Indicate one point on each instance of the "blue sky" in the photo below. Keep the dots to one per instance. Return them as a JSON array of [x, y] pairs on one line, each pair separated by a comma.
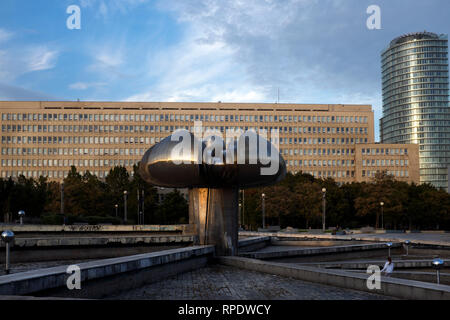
[[314, 51]]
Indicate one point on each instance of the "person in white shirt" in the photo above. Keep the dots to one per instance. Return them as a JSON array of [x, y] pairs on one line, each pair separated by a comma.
[[388, 267]]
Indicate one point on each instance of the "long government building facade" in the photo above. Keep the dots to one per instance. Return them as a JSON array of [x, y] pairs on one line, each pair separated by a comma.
[[41, 138]]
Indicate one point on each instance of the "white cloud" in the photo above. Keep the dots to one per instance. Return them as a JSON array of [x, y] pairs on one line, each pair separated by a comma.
[[299, 46], [40, 58], [5, 35], [109, 58], [197, 71], [106, 8], [86, 85], [16, 62]]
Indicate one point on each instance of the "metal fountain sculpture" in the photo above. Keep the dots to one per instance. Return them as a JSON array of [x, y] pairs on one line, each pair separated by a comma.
[[214, 170]]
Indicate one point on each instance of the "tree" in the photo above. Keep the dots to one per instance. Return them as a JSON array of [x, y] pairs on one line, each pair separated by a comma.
[[174, 209]]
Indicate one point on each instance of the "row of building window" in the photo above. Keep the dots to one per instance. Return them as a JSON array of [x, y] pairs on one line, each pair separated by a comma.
[[68, 162], [72, 151], [415, 87], [418, 45], [385, 163], [169, 129], [422, 115], [404, 75], [416, 62], [414, 93], [321, 163], [384, 151], [317, 152], [389, 86], [414, 56], [152, 140], [178, 117], [410, 62], [442, 99]]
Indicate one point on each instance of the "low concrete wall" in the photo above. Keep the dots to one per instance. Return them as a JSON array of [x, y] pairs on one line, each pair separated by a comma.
[[308, 243], [352, 237], [253, 243], [399, 288], [100, 241], [35, 281], [418, 276], [43, 254], [399, 264], [29, 228], [316, 251]]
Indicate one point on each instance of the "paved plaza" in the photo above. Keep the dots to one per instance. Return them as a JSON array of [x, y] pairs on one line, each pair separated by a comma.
[[229, 283]]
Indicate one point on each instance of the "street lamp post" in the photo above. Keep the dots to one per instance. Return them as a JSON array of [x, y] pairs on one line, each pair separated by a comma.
[[407, 243], [240, 215], [142, 206], [21, 215], [382, 214], [438, 264], [324, 204], [117, 210], [62, 199], [138, 207], [263, 210], [7, 237], [243, 207], [389, 245], [125, 206]]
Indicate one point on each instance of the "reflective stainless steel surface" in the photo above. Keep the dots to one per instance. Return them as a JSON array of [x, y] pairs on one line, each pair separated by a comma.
[[213, 170]]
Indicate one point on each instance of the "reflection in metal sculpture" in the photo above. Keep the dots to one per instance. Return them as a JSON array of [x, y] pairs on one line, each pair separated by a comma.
[[214, 171], [159, 165]]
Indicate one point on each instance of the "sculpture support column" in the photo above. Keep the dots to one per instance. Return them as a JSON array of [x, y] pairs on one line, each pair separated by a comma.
[[214, 212]]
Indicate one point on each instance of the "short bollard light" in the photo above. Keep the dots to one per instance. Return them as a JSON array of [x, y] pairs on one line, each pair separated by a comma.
[[21, 215], [7, 237], [438, 264], [389, 245], [407, 243]]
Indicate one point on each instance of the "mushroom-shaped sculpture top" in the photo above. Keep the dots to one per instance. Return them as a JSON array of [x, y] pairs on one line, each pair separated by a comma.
[[7, 236], [184, 161], [21, 213]]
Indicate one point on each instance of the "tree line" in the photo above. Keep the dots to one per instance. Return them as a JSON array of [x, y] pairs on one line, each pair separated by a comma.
[[297, 202], [89, 199], [294, 202]]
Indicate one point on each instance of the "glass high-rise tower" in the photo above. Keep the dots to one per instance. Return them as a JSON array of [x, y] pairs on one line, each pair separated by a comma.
[[416, 106]]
